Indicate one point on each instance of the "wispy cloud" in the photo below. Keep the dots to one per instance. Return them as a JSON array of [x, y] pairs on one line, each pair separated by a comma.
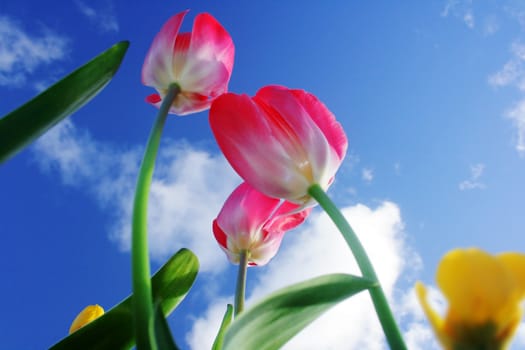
[[317, 248], [449, 7], [22, 53], [517, 115], [476, 171], [460, 9], [516, 11], [520, 336], [513, 74], [367, 174], [513, 71], [187, 192], [468, 18], [104, 18]]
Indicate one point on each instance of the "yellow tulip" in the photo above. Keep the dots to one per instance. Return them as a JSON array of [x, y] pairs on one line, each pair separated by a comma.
[[484, 293], [87, 315]]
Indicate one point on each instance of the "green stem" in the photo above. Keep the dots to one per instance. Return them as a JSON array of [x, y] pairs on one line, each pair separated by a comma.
[[386, 318], [142, 298], [241, 283]]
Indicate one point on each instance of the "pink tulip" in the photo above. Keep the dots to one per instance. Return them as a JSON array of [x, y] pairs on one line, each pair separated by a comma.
[[200, 63], [253, 222], [280, 141]]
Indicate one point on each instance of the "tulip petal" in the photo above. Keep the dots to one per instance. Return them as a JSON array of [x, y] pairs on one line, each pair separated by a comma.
[[325, 120], [203, 59], [266, 249], [157, 68], [247, 140], [302, 137], [253, 222], [245, 211], [275, 145], [219, 234], [189, 102], [154, 99], [286, 217], [210, 39], [205, 76]]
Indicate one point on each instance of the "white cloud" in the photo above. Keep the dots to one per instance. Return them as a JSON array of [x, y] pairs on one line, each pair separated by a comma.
[[507, 75], [316, 249], [473, 182], [449, 6], [468, 18], [512, 72], [367, 175], [519, 340], [517, 115], [187, 192], [104, 19], [209, 325], [21, 53], [418, 334]]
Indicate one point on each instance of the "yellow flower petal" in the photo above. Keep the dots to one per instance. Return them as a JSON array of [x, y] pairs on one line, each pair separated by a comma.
[[484, 294], [87, 315], [515, 263], [435, 320], [476, 285]]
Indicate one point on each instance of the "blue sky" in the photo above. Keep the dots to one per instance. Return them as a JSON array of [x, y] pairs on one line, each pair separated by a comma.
[[431, 95]]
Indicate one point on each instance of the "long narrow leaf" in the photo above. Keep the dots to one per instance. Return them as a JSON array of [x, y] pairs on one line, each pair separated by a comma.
[[226, 320], [114, 330], [272, 322], [163, 337], [26, 123]]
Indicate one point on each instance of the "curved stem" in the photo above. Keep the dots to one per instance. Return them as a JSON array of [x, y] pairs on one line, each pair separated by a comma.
[[241, 283], [386, 318], [142, 298]]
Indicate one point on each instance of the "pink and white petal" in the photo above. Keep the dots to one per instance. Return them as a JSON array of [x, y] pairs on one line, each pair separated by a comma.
[[205, 77], [247, 141], [325, 120], [222, 239], [288, 117], [180, 55], [154, 99], [187, 103], [266, 250], [301, 138], [210, 39], [244, 214], [219, 234], [315, 151], [159, 58], [286, 217]]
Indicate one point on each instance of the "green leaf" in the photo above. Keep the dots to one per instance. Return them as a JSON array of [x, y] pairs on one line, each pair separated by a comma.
[[114, 330], [26, 123], [276, 319], [163, 336], [226, 320]]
